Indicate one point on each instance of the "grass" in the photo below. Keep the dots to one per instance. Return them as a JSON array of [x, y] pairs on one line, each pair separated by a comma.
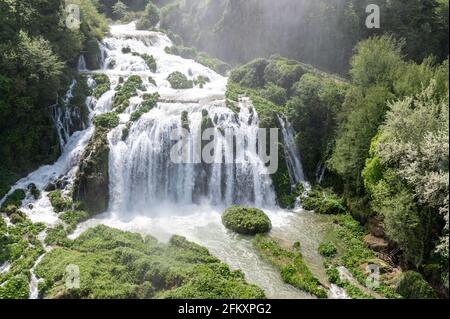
[[293, 269]]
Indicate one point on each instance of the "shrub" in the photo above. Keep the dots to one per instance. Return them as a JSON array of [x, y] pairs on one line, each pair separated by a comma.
[[179, 81], [108, 120], [14, 199], [149, 19], [59, 202], [413, 286], [275, 94], [327, 249], [323, 202], [247, 221]]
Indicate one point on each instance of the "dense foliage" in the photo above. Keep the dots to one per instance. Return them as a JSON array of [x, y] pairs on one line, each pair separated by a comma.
[[117, 264], [36, 51]]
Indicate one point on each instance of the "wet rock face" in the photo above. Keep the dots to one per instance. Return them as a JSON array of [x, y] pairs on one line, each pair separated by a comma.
[[91, 186]]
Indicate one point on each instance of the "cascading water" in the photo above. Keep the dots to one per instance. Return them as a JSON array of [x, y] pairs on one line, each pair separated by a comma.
[[152, 195], [292, 154]]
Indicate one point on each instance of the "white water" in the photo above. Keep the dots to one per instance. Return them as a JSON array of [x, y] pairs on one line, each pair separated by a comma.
[[151, 195], [292, 154]]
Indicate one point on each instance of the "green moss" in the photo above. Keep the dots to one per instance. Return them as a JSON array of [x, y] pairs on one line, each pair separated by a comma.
[[103, 84], [107, 120], [247, 221], [117, 264], [327, 249], [179, 81], [150, 101], [125, 91], [413, 286], [59, 202], [293, 269]]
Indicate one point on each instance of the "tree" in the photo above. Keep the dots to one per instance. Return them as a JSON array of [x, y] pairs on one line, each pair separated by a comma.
[[149, 19], [119, 10], [407, 173]]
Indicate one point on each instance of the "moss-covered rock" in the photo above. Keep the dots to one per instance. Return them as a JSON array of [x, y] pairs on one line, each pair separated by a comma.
[[91, 187], [117, 264], [103, 84], [150, 101], [293, 269], [125, 91], [34, 191], [413, 286], [179, 81], [247, 221]]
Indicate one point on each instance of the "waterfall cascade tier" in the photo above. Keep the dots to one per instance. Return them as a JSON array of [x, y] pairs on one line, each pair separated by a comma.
[[142, 174]]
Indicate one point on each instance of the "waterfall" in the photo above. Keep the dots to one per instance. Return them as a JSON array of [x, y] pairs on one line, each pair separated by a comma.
[[82, 63], [291, 153], [142, 174]]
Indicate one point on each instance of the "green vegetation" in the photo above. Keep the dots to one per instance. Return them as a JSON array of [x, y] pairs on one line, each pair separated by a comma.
[[149, 19], [103, 84], [327, 249], [150, 101], [21, 248], [179, 81], [37, 51], [117, 264], [148, 59], [14, 199], [323, 202], [107, 120], [293, 269], [413, 286], [59, 202], [247, 221], [126, 91]]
